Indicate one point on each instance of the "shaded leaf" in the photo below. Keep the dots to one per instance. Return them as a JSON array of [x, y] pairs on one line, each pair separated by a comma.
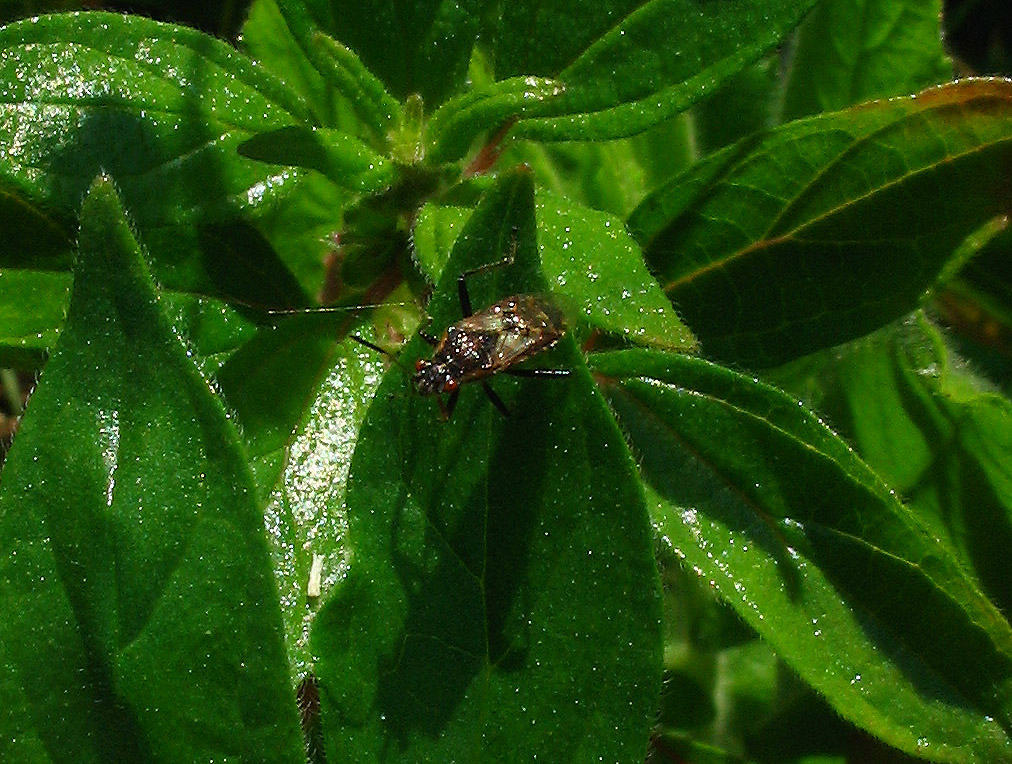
[[850, 51], [744, 104], [827, 228], [342, 158], [500, 595], [937, 434], [136, 545], [611, 176], [413, 48], [162, 108], [817, 555], [627, 66]]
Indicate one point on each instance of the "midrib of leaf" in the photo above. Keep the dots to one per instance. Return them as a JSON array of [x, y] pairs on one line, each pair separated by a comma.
[[796, 233]]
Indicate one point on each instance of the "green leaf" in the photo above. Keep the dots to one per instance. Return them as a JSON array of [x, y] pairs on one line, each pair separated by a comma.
[[628, 66], [267, 38], [850, 51], [299, 399], [340, 68], [456, 123], [612, 176], [828, 228], [301, 350], [817, 555], [501, 592], [937, 434], [32, 307], [306, 515], [419, 48], [141, 618], [593, 267], [744, 104], [592, 260], [362, 89], [342, 158], [162, 108], [434, 234]]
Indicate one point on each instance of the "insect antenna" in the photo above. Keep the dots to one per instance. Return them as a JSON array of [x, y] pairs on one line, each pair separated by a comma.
[[332, 309]]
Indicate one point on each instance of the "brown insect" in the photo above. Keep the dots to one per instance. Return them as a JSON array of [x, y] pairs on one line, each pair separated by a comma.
[[488, 342]]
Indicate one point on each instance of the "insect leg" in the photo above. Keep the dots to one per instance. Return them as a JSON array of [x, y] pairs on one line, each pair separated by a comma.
[[370, 345], [462, 293], [450, 405], [496, 400], [537, 372]]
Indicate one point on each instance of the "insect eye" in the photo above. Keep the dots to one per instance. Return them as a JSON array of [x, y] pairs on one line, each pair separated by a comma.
[[450, 385], [420, 364]]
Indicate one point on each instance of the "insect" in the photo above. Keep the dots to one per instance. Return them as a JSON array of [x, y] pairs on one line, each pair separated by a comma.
[[488, 342]]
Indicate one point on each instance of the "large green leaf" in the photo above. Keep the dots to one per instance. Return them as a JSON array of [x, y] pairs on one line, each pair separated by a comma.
[[501, 594], [812, 550], [937, 434], [829, 227], [160, 107], [141, 619]]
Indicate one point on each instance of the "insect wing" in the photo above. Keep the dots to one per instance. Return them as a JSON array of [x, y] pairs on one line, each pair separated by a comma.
[[523, 326]]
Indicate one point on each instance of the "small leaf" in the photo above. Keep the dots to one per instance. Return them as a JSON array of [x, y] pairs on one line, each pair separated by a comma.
[[434, 234], [590, 258], [137, 589], [500, 597], [827, 228], [456, 123], [342, 158], [801, 538], [267, 39], [342, 69], [362, 89]]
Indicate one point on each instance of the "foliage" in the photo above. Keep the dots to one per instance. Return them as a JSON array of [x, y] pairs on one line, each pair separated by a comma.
[[200, 450]]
